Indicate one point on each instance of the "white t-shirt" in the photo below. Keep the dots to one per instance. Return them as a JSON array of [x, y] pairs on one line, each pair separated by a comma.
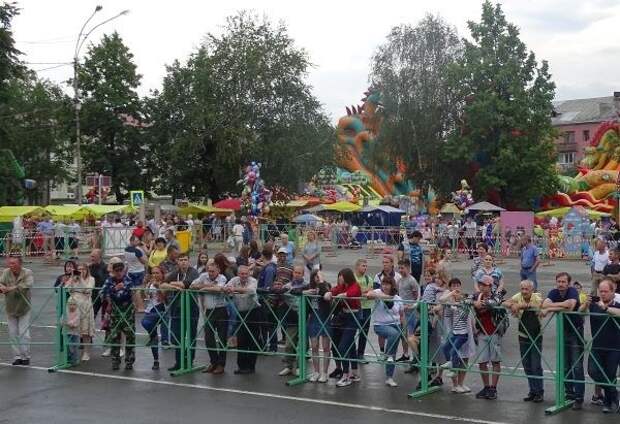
[[470, 229], [132, 257], [238, 230], [381, 315], [600, 260]]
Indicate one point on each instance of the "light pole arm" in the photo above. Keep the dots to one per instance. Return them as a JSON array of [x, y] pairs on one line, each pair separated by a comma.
[[77, 43], [85, 37]]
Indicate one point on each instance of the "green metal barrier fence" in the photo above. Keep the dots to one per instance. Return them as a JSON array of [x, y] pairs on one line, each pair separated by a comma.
[[272, 312]]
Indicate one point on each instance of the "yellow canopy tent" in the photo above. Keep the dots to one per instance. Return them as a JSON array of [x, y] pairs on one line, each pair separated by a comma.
[[343, 207], [8, 213], [450, 209], [100, 210], [67, 211], [204, 209]]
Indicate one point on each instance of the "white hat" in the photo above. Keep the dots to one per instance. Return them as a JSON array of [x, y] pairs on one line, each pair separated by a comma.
[[283, 250]]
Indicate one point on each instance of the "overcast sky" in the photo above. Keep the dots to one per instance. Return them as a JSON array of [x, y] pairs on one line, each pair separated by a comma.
[[579, 38]]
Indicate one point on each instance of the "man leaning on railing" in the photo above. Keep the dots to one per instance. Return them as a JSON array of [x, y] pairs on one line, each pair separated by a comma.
[[565, 298], [605, 353]]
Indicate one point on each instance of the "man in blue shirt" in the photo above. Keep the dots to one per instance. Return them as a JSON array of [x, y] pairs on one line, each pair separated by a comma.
[[117, 291], [565, 298], [529, 261]]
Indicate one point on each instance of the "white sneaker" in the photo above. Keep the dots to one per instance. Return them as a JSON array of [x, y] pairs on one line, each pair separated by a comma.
[[85, 357], [455, 389], [343, 382], [389, 359], [460, 390], [355, 378], [467, 389], [107, 352], [314, 377], [390, 382], [446, 365], [285, 371], [323, 378], [122, 353]]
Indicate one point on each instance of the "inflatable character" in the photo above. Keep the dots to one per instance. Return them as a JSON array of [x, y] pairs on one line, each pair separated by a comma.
[[356, 132], [596, 184]]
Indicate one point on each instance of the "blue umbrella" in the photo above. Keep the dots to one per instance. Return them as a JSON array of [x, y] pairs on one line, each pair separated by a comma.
[[307, 218]]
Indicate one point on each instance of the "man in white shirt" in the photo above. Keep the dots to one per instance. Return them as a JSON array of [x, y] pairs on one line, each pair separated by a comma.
[[600, 260], [237, 233], [212, 283], [471, 229]]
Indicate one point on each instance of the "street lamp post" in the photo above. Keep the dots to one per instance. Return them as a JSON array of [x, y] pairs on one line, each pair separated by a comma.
[[82, 37]]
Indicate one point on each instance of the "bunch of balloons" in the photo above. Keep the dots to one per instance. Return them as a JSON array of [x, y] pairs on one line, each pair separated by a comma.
[[463, 198], [256, 198]]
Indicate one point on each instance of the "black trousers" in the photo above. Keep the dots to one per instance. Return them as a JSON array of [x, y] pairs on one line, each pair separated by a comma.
[[216, 332], [247, 338]]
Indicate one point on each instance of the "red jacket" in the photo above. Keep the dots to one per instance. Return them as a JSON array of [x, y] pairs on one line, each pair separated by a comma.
[[354, 290]]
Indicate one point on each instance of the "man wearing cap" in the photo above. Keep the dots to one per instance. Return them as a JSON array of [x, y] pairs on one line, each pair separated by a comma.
[[288, 248], [117, 291], [284, 272]]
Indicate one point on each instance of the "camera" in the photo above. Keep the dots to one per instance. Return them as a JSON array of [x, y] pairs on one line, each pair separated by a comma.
[[596, 299]]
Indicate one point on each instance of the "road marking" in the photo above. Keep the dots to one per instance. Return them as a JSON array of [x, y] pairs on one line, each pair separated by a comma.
[[267, 395]]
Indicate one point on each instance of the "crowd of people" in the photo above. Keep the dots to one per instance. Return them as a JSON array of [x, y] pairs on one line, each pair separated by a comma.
[[248, 303]]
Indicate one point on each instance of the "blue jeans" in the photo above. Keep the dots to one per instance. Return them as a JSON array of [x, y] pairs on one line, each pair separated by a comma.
[[531, 358], [451, 348], [573, 364], [392, 336], [164, 327], [149, 322], [346, 347], [529, 274], [73, 353], [364, 315]]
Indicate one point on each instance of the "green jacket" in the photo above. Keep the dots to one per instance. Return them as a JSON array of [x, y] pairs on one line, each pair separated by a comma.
[[17, 301]]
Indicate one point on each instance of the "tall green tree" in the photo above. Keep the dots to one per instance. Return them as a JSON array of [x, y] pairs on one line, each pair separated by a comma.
[[411, 71], [506, 127], [38, 130], [112, 120], [10, 64], [242, 96]]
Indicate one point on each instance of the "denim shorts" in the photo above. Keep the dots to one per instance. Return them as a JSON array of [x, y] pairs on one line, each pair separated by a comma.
[[411, 320], [317, 328]]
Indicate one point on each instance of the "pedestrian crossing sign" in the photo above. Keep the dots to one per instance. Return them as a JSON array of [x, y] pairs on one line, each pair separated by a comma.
[[137, 198]]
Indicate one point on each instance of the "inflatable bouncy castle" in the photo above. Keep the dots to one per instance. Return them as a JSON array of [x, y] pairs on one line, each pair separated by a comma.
[[596, 183]]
